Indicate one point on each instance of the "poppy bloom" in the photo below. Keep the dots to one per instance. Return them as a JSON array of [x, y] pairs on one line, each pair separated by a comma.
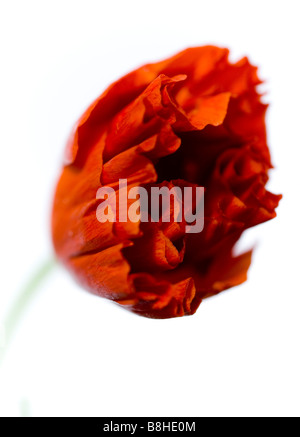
[[193, 120]]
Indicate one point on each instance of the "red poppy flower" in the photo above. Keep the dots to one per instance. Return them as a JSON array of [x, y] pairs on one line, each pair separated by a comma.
[[194, 119]]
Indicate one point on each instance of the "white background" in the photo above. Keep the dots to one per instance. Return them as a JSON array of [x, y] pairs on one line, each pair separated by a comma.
[[75, 354]]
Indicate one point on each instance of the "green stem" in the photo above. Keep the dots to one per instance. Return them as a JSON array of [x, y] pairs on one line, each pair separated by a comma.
[[21, 303]]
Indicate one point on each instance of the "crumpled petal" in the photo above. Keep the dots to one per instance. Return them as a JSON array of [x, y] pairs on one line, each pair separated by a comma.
[[192, 120]]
